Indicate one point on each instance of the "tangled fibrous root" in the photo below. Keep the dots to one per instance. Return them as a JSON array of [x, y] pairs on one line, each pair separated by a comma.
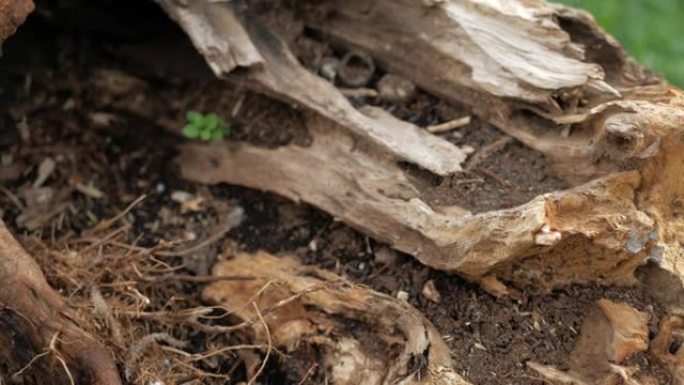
[[143, 304]]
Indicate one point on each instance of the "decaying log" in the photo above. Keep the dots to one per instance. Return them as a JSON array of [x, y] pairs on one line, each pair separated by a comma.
[[36, 321], [544, 74], [303, 306]]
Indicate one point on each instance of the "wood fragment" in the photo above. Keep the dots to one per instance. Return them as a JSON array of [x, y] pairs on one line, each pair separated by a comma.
[[449, 126], [500, 181], [359, 92]]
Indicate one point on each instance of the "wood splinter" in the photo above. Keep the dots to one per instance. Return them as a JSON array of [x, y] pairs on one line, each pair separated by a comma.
[[449, 126]]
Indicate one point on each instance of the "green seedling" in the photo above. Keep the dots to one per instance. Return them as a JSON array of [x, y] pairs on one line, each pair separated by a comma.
[[205, 127]]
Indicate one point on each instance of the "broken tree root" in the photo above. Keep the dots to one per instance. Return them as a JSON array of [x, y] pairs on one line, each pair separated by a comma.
[[37, 321], [295, 307]]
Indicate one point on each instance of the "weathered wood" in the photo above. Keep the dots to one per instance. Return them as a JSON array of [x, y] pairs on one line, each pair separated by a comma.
[[612, 130], [278, 73]]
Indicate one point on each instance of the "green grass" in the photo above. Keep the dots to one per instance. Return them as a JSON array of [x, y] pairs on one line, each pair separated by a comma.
[[650, 30]]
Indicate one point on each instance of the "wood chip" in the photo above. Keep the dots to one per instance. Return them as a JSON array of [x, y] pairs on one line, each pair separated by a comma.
[[430, 292], [90, 191], [359, 92], [449, 126], [46, 168]]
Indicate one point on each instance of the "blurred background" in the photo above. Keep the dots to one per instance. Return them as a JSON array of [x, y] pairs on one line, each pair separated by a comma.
[[651, 30]]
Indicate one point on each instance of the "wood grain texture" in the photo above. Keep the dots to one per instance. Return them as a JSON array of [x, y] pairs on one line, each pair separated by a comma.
[[544, 74]]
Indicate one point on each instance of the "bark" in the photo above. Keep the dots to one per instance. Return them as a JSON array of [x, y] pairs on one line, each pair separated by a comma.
[[611, 128], [37, 320]]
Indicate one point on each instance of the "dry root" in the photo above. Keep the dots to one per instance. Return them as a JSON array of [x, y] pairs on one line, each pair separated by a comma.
[[303, 310], [37, 321]]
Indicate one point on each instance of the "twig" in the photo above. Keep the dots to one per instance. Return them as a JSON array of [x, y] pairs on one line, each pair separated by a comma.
[[308, 374], [497, 179], [30, 363], [13, 198], [52, 348], [486, 151], [470, 181], [449, 126], [105, 239], [197, 278], [359, 92]]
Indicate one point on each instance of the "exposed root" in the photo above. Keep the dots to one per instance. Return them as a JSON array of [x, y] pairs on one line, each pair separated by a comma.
[[103, 311], [46, 316], [396, 344]]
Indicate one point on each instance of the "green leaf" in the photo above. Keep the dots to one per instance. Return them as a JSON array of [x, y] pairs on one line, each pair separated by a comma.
[[205, 134], [191, 131], [194, 116], [225, 128], [217, 135], [212, 121]]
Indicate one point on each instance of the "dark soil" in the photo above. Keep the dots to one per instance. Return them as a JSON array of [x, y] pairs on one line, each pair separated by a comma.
[[51, 87]]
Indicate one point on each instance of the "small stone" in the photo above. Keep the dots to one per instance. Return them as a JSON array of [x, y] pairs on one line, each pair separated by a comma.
[[430, 292], [313, 245], [395, 89], [402, 295]]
